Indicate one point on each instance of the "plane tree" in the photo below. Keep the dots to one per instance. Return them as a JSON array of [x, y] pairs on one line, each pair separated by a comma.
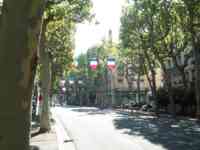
[[57, 44], [20, 28]]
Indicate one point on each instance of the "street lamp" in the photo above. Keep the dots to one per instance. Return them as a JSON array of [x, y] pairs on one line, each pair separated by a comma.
[[71, 91], [111, 63], [111, 66], [62, 91], [80, 91]]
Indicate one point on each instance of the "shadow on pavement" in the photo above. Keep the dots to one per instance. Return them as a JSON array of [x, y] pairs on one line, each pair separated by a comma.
[[171, 134], [92, 111], [38, 133], [32, 147], [35, 129]]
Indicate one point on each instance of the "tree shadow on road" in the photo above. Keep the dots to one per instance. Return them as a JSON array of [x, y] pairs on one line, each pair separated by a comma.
[[170, 133], [92, 111]]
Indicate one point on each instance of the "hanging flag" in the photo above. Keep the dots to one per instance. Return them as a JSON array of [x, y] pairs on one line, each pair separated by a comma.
[[111, 63], [93, 64]]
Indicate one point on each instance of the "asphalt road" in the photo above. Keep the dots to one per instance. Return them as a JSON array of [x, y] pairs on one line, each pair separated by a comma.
[[94, 129]]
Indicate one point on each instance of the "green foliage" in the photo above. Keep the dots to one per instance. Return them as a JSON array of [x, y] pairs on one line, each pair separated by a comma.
[[160, 30], [157, 30], [101, 52], [60, 21]]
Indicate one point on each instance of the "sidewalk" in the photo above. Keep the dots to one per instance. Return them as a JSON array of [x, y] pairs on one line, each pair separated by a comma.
[[57, 139], [44, 141]]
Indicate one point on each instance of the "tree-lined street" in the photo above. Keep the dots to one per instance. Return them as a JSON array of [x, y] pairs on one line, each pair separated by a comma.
[[136, 56], [94, 129]]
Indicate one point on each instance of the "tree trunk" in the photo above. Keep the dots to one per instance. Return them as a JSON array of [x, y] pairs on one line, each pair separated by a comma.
[[154, 90], [138, 86], [53, 80], [19, 32], [169, 89], [170, 92], [181, 71], [184, 79], [152, 81], [139, 77], [45, 80], [196, 51], [197, 79], [129, 82], [168, 83]]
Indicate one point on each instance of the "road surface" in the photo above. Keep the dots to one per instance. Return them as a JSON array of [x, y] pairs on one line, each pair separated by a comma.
[[94, 129]]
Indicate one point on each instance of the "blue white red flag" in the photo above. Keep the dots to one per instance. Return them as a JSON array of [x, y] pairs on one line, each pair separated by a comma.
[[111, 63], [93, 64]]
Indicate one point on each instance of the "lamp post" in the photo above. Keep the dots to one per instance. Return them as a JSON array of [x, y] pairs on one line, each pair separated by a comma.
[[93, 63], [111, 66], [80, 84], [62, 90], [71, 90]]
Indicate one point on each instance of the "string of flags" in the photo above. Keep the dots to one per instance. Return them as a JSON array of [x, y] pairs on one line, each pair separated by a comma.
[[111, 63]]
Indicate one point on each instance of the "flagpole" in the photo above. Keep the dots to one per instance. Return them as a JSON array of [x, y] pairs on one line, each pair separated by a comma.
[[113, 88], [111, 65]]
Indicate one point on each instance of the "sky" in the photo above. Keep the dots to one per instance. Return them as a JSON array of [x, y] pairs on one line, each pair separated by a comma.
[[107, 13]]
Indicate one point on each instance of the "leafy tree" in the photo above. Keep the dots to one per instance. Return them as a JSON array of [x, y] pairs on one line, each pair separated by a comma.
[[179, 40], [57, 44], [148, 27], [136, 36], [162, 30], [193, 14]]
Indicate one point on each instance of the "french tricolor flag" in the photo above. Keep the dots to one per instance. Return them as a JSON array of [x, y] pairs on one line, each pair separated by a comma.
[[111, 63], [93, 64]]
